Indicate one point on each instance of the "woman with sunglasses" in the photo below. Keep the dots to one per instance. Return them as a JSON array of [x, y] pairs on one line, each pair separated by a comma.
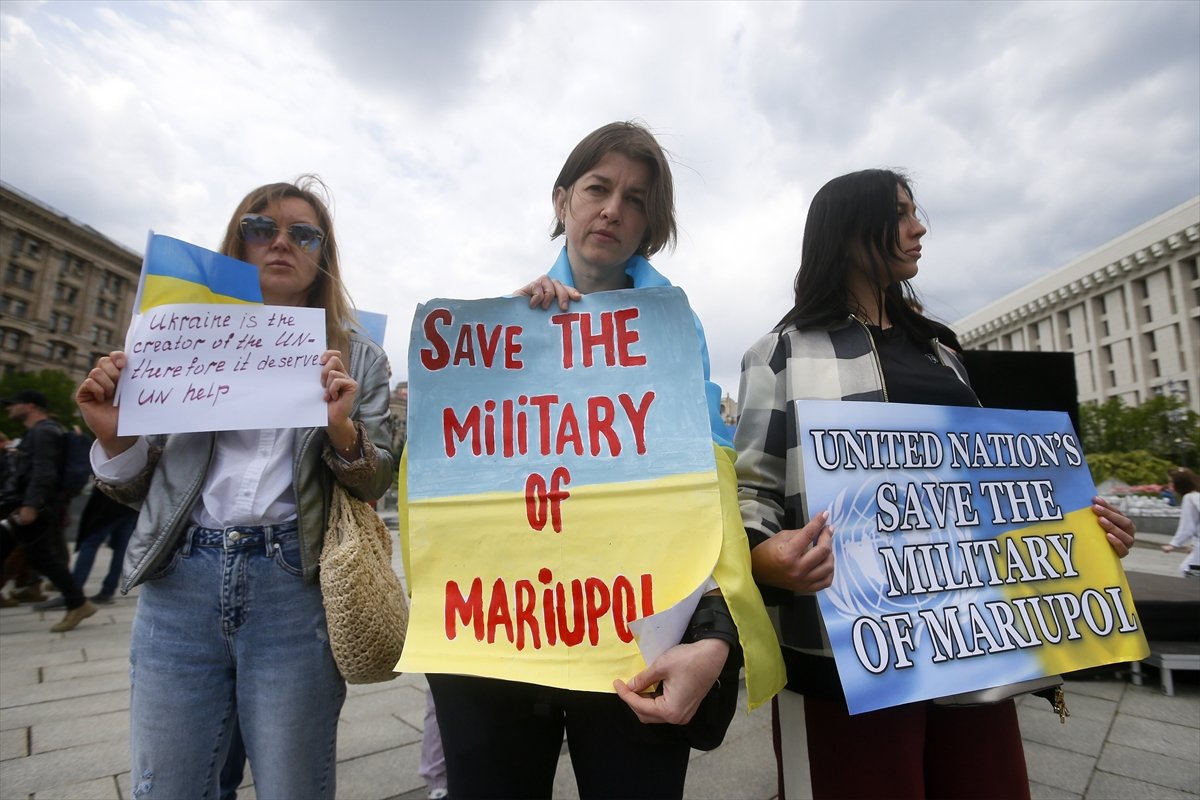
[[855, 334], [230, 629]]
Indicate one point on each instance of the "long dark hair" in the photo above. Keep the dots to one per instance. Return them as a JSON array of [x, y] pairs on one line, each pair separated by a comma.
[[853, 226]]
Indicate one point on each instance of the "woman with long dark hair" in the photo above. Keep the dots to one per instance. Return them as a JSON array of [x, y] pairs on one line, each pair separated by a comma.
[[854, 334]]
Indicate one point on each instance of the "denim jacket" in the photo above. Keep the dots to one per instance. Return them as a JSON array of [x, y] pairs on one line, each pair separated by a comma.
[[168, 486]]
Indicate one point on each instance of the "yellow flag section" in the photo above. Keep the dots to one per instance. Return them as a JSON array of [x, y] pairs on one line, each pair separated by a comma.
[[1088, 620], [765, 672], [511, 641], [492, 597]]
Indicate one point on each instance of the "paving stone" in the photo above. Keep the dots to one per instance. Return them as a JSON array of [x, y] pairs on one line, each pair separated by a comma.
[[14, 658], [1105, 689], [91, 667], [61, 734], [15, 678], [98, 789], [1149, 702], [79, 687], [1040, 791], [1106, 786], [396, 701], [1084, 706], [14, 743], [744, 766], [101, 651], [363, 736], [380, 775], [1176, 773], [1079, 735], [1158, 737], [565, 787], [1054, 766], [73, 708], [24, 776]]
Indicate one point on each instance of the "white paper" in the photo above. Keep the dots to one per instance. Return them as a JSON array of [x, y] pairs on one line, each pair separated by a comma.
[[658, 633], [208, 367]]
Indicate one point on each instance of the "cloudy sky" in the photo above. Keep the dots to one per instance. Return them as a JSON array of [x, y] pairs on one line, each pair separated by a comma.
[[1035, 132]]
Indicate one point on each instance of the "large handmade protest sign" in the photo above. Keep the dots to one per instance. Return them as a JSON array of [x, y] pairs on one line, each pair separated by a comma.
[[967, 554], [561, 484]]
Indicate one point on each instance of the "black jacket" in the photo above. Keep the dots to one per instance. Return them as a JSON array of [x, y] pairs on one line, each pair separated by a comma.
[[36, 468]]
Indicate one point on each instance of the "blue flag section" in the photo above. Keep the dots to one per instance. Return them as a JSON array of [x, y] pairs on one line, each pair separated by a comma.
[[967, 554], [177, 272]]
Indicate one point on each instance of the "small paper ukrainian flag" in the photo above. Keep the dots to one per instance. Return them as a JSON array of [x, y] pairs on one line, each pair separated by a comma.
[[177, 272]]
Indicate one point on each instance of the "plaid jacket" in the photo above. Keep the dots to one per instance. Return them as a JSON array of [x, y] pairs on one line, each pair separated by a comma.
[[779, 369]]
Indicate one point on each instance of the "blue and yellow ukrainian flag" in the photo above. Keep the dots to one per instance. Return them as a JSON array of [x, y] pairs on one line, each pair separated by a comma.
[[177, 272]]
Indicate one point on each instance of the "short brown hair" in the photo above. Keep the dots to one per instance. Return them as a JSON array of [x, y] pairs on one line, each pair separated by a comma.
[[633, 141], [328, 291]]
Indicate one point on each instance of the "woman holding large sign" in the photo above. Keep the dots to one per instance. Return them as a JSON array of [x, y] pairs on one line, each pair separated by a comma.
[[613, 202], [854, 334], [230, 626]]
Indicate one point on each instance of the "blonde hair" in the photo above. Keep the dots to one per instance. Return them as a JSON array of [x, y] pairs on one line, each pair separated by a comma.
[[327, 291]]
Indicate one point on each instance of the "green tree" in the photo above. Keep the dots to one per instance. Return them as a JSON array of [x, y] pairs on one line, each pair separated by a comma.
[[59, 389], [1136, 468], [1162, 426]]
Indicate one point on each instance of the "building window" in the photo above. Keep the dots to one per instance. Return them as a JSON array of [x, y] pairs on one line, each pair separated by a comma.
[[72, 266], [13, 306], [18, 276], [110, 282], [106, 309], [57, 351], [25, 245], [65, 294], [11, 341]]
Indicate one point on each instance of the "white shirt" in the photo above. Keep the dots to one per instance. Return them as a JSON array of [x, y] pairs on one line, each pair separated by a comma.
[[249, 481]]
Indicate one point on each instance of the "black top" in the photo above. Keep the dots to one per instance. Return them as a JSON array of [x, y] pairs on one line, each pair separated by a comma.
[[913, 373]]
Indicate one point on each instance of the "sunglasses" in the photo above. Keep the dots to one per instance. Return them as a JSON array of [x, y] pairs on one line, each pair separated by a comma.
[[257, 229]]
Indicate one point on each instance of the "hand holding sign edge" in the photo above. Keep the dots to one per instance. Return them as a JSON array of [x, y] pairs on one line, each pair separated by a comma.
[[800, 560]]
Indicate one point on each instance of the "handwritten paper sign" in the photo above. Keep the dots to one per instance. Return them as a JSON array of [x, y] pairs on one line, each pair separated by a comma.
[[967, 555], [209, 367], [562, 486]]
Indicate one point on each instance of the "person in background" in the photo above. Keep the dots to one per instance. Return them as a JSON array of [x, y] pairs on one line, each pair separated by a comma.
[[33, 503], [854, 334], [1186, 486], [432, 768], [230, 628], [103, 521]]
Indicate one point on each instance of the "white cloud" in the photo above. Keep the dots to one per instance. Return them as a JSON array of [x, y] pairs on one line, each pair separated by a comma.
[[440, 129]]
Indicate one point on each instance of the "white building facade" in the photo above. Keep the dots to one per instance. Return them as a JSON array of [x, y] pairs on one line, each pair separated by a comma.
[[1129, 311]]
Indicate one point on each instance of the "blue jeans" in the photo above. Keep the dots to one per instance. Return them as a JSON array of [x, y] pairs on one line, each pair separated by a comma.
[[227, 630], [117, 533]]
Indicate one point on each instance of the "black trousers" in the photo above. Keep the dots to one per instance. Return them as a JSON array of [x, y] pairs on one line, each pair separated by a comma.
[[502, 740], [37, 540]]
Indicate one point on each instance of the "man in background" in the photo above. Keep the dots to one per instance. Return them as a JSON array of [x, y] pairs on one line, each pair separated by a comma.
[[31, 504]]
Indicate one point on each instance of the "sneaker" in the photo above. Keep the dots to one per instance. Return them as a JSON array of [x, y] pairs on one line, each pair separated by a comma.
[[103, 598], [51, 604], [438, 794], [74, 617]]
